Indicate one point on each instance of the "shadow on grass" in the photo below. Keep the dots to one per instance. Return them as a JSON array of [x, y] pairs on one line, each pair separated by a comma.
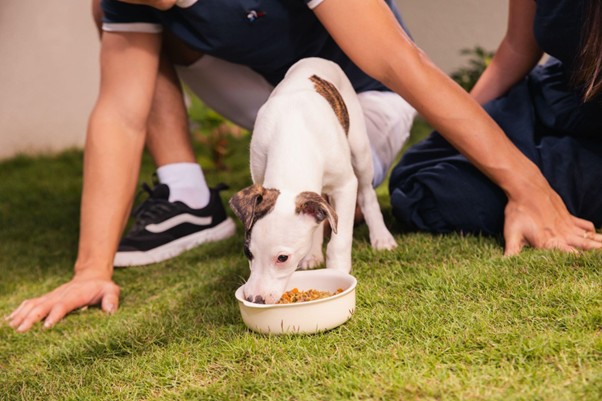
[[178, 305]]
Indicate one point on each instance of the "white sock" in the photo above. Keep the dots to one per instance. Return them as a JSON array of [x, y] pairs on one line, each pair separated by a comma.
[[186, 184]]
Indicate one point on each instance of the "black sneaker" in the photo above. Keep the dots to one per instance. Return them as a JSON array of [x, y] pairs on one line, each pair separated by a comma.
[[164, 229]]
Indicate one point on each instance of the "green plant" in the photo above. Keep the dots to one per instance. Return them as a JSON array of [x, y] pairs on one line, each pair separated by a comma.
[[479, 60], [212, 131]]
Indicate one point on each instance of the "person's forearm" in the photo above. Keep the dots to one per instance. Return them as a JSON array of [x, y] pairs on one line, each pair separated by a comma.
[[506, 69], [516, 55], [463, 122]]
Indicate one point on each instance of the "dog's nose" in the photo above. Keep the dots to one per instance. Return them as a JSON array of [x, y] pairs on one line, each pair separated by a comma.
[[258, 299]]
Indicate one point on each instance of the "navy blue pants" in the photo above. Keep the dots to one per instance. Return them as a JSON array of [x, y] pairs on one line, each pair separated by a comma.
[[434, 188]]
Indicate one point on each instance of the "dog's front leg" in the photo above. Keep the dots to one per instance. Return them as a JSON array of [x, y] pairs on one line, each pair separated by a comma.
[[338, 251]]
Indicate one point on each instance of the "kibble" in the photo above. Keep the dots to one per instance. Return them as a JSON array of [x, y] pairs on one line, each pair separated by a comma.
[[295, 295]]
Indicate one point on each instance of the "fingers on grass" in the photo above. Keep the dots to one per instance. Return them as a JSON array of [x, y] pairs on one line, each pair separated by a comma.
[[514, 245], [57, 313], [564, 247], [17, 317], [585, 237], [36, 314], [591, 245], [584, 224], [588, 231], [110, 301], [593, 236], [25, 305], [588, 242], [560, 243]]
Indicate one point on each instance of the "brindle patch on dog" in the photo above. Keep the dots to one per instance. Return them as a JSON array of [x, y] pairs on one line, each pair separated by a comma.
[[334, 98], [315, 205], [253, 203]]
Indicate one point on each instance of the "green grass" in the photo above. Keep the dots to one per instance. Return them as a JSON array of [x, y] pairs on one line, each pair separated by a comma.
[[440, 318]]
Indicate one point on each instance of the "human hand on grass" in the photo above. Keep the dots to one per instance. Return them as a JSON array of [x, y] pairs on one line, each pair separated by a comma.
[[544, 222], [82, 291]]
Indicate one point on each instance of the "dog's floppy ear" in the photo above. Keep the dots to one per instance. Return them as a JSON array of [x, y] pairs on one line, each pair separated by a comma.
[[252, 203], [315, 205]]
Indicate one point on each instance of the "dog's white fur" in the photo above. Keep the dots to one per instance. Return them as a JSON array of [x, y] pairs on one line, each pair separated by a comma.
[[299, 146]]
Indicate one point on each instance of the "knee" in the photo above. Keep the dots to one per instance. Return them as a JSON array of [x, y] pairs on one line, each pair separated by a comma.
[[445, 198]]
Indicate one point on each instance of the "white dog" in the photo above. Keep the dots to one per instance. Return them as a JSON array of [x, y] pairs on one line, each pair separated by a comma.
[[309, 139]]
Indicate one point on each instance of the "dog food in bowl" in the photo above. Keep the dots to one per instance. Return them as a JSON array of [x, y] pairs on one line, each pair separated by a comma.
[[305, 317], [294, 295]]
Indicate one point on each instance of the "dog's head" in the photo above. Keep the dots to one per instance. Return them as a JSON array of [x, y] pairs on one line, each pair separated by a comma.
[[279, 227]]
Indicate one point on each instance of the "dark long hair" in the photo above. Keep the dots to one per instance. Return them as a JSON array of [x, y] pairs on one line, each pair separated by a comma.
[[588, 73]]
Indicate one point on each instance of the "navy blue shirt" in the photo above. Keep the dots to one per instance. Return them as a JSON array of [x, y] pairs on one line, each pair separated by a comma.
[[268, 36], [557, 28]]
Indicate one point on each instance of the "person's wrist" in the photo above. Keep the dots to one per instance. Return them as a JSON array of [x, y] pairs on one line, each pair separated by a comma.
[[526, 192], [89, 270], [524, 182]]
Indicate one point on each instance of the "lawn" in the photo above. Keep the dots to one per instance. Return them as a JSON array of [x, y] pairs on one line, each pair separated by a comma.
[[440, 318]]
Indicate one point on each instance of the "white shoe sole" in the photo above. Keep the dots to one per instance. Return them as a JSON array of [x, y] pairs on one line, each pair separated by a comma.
[[224, 230]]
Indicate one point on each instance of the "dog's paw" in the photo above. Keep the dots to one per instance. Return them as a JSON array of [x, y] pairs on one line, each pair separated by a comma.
[[383, 242], [311, 262]]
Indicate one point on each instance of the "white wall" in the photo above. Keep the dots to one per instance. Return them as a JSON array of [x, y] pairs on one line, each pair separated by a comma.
[[49, 61], [443, 27], [48, 74]]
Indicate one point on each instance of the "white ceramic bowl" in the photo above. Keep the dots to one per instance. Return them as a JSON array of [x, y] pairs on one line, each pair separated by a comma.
[[304, 317]]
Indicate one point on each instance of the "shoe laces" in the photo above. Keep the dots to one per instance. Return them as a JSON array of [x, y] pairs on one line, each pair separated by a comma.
[[152, 207]]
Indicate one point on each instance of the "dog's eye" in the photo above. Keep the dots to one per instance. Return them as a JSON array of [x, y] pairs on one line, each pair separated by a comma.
[[282, 258]]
